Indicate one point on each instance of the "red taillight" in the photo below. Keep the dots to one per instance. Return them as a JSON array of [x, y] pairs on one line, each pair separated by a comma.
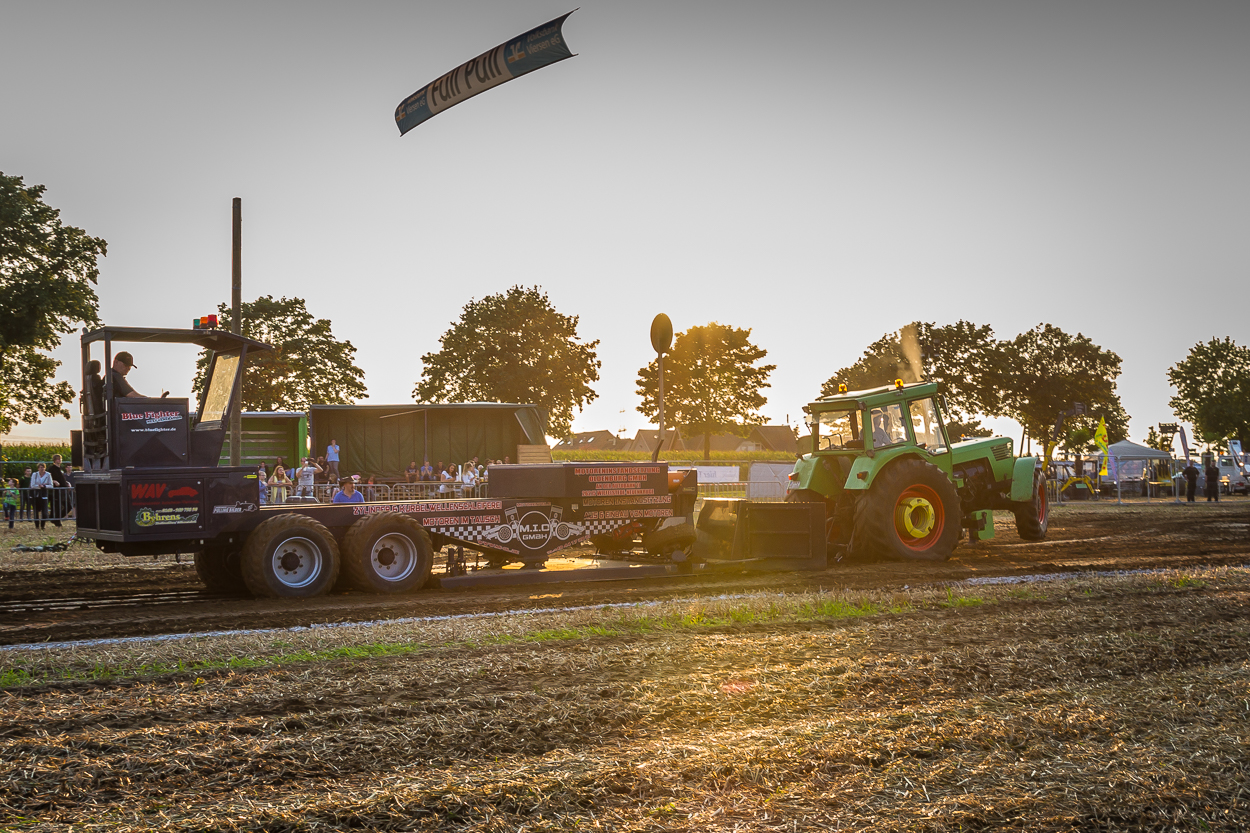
[[794, 475]]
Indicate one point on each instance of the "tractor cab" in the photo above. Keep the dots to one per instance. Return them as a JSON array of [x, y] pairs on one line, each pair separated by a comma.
[[121, 432]]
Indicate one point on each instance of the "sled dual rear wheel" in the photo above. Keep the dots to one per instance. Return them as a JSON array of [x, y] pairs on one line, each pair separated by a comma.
[[290, 556], [387, 553]]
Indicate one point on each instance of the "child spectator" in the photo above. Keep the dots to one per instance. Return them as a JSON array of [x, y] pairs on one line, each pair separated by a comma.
[[11, 498]]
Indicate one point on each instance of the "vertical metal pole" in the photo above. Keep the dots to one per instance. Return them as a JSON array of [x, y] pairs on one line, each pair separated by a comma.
[[661, 399], [236, 327]]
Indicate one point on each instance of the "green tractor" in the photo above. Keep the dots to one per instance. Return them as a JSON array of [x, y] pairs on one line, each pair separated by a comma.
[[893, 484]]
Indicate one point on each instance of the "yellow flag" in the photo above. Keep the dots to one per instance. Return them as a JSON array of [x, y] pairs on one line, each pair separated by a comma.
[[1100, 437]]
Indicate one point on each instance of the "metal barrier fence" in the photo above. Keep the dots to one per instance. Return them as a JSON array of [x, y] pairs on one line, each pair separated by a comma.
[[38, 506]]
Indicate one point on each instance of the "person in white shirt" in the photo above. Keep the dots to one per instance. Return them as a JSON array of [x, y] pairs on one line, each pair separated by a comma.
[[448, 477], [40, 485], [468, 476], [305, 476]]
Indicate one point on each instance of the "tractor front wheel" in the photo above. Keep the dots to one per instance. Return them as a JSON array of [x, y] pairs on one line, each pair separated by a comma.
[[910, 513], [1033, 515]]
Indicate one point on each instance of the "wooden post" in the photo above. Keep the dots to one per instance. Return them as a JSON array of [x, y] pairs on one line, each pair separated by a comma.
[[236, 327]]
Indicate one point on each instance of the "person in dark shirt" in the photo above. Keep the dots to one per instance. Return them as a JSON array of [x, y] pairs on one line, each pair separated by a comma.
[[1191, 481], [57, 499], [122, 364], [1213, 483]]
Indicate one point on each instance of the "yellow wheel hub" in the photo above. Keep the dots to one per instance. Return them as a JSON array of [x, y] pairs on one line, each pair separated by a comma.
[[915, 516]]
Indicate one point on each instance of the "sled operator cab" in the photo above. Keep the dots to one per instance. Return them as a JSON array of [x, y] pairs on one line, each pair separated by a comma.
[[122, 432]]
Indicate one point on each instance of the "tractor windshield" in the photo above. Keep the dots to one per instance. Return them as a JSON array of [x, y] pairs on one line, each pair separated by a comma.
[[888, 427], [925, 424], [837, 429]]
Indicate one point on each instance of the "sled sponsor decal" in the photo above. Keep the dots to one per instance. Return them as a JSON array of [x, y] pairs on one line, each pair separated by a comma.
[[237, 509], [147, 517]]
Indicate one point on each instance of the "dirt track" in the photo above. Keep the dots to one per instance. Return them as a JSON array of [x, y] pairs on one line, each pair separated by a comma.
[[116, 598]]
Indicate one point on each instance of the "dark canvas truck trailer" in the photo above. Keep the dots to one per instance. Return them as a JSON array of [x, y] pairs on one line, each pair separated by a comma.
[[384, 439]]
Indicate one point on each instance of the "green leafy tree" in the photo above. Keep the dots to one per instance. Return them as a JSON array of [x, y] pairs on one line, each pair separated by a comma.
[[514, 347], [964, 357], [711, 383], [1213, 390], [308, 364], [47, 272], [1048, 370]]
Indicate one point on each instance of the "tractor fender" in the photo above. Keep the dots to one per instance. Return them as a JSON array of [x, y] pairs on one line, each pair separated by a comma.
[[865, 470], [1022, 478]]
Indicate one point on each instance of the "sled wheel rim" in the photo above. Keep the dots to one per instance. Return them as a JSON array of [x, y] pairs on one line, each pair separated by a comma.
[[919, 517], [394, 556], [297, 562]]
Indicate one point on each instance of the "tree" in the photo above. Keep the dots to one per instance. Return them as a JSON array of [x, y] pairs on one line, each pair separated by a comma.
[[46, 274], [307, 365], [964, 357], [514, 347], [1047, 370], [711, 383], [1213, 390]]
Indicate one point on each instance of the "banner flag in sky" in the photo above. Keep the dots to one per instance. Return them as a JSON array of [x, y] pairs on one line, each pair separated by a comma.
[[1100, 437], [533, 50]]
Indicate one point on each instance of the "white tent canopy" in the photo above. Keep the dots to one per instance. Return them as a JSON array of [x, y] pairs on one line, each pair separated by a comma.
[[1125, 450]]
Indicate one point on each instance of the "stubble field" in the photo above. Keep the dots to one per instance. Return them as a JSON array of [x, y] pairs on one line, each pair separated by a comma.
[[1091, 701]]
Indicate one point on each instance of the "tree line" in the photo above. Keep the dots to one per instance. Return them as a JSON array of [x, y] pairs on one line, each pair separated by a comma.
[[516, 347]]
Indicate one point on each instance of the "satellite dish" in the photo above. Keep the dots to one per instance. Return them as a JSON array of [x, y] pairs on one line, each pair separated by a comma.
[[662, 334]]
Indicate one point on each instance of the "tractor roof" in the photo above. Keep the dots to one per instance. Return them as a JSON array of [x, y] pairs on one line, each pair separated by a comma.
[[876, 396]]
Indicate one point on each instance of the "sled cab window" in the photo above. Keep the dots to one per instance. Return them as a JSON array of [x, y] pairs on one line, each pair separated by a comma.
[[888, 425], [220, 386], [925, 425], [837, 429]]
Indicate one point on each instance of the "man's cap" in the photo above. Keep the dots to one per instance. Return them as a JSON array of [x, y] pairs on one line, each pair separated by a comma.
[[126, 359]]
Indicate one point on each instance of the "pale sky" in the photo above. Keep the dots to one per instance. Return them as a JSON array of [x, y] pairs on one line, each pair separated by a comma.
[[819, 172]]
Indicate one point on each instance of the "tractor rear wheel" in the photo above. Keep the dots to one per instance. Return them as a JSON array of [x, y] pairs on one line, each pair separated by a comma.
[[911, 513], [220, 570], [290, 556], [1033, 515], [387, 553]]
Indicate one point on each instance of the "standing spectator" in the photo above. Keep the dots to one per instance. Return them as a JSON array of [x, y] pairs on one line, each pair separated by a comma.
[[1213, 481], [11, 498], [58, 500], [332, 459], [69, 495], [40, 484], [305, 476], [1145, 480], [321, 464], [263, 477], [279, 483], [28, 497], [1191, 480], [347, 492], [412, 473]]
